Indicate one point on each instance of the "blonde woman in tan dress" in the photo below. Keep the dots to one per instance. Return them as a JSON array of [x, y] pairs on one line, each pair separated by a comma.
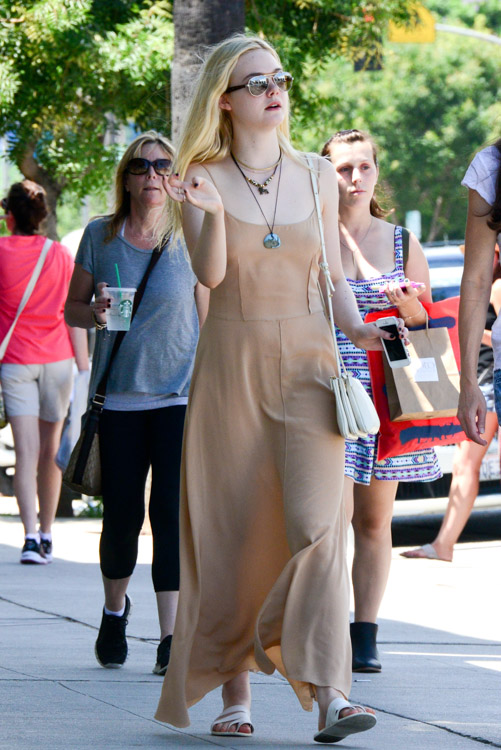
[[264, 582]]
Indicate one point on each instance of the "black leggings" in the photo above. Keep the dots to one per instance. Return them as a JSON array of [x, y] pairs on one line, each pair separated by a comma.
[[131, 441]]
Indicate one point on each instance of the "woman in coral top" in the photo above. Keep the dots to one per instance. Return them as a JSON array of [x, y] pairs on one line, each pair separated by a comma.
[[37, 368]]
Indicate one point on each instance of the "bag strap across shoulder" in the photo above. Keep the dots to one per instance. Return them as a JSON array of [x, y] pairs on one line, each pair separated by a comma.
[[324, 265], [27, 294], [405, 247], [100, 394]]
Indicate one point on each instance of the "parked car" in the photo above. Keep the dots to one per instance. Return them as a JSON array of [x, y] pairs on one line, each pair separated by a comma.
[[446, 269]]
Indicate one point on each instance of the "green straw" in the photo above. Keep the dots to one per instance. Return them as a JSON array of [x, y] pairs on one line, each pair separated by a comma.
[[118, 279], [118, 275]]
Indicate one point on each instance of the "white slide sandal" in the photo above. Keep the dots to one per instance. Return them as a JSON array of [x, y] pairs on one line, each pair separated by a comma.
[[337, 728], [233, 715]]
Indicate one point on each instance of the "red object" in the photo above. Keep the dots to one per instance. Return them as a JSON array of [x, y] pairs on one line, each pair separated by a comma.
[[41, 335], [396, 438]]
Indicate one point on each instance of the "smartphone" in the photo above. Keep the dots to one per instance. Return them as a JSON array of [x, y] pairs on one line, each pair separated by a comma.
[[395, 349], [413, 284], [403, 286]]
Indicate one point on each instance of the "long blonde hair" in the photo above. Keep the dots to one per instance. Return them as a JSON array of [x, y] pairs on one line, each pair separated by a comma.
[[207, 133], [122, 197]]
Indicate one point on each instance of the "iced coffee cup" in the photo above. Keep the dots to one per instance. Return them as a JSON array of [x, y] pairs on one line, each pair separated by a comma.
[[119, 314]]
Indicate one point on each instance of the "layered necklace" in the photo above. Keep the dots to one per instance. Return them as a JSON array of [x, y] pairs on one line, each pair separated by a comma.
[[272, 240], [261, 186]]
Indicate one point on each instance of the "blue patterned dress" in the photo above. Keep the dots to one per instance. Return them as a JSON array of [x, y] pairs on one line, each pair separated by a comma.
[[361, 454]]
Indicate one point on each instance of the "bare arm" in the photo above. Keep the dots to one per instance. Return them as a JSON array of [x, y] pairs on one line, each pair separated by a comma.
[[346, 313], [475, 293], [202, 296], [409, 306], [203, 225], [78, 308], [80, 345]]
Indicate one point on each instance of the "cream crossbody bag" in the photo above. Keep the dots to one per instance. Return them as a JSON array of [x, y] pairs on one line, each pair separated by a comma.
[[356, 414]]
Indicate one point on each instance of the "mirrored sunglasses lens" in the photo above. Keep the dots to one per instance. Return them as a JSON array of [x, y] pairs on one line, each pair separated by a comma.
[[257, 85], [283, 81], [138, 166]]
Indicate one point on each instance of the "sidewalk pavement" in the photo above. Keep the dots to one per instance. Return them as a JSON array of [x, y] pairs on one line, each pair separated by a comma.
[[439, 643]]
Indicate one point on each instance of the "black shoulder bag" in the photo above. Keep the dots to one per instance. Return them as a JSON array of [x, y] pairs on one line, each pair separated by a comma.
[[83, 473]]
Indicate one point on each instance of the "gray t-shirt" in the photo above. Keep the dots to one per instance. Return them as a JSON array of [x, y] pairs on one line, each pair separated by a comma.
[[154, 363]]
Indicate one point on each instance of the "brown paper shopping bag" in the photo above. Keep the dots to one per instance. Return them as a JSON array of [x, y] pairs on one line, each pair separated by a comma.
[[429, 386]]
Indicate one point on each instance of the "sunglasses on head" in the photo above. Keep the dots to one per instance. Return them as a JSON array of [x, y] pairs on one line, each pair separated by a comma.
[[258, 85], [142, 166]]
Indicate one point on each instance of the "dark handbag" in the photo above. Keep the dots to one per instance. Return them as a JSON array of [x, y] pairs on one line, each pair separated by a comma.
[[83, 473]]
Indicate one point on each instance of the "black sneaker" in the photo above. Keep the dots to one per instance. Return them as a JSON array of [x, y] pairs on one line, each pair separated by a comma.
[[111, 645], [46, 549], [163, 656], [31, 553]]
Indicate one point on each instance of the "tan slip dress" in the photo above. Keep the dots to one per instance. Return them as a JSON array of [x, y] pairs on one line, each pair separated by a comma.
[[264, 580]]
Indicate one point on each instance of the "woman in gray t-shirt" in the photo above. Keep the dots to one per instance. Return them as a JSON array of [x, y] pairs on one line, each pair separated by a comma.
[[141, 425]]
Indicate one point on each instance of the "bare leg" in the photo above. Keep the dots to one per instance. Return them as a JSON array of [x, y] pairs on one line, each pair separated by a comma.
[[236, 691], [167, 608], [114, 593], [49, 474], [325, 696], [373, 509], [462, 494], [27, 447]]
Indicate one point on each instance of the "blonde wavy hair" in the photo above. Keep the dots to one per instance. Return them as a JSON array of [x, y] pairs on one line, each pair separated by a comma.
[[122, 197], [207, 133]]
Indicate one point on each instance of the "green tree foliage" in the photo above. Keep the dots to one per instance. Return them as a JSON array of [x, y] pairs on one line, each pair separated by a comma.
[[478, 14], [69, 68], [310, 33], [430, 109]]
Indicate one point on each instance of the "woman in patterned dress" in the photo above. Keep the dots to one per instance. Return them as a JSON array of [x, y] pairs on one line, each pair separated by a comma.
[[373, 263]]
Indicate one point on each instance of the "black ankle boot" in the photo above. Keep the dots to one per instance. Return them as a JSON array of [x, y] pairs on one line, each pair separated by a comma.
[[363, 643]]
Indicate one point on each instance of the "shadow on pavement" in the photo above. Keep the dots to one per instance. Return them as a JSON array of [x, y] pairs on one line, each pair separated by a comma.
[[483, 526]]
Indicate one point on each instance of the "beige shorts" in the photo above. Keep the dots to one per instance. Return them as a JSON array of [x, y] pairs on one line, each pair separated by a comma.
[[41, 391]]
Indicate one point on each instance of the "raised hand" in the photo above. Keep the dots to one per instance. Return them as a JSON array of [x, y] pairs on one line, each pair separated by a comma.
[[198, 191], [400, 294], [101, 302]]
